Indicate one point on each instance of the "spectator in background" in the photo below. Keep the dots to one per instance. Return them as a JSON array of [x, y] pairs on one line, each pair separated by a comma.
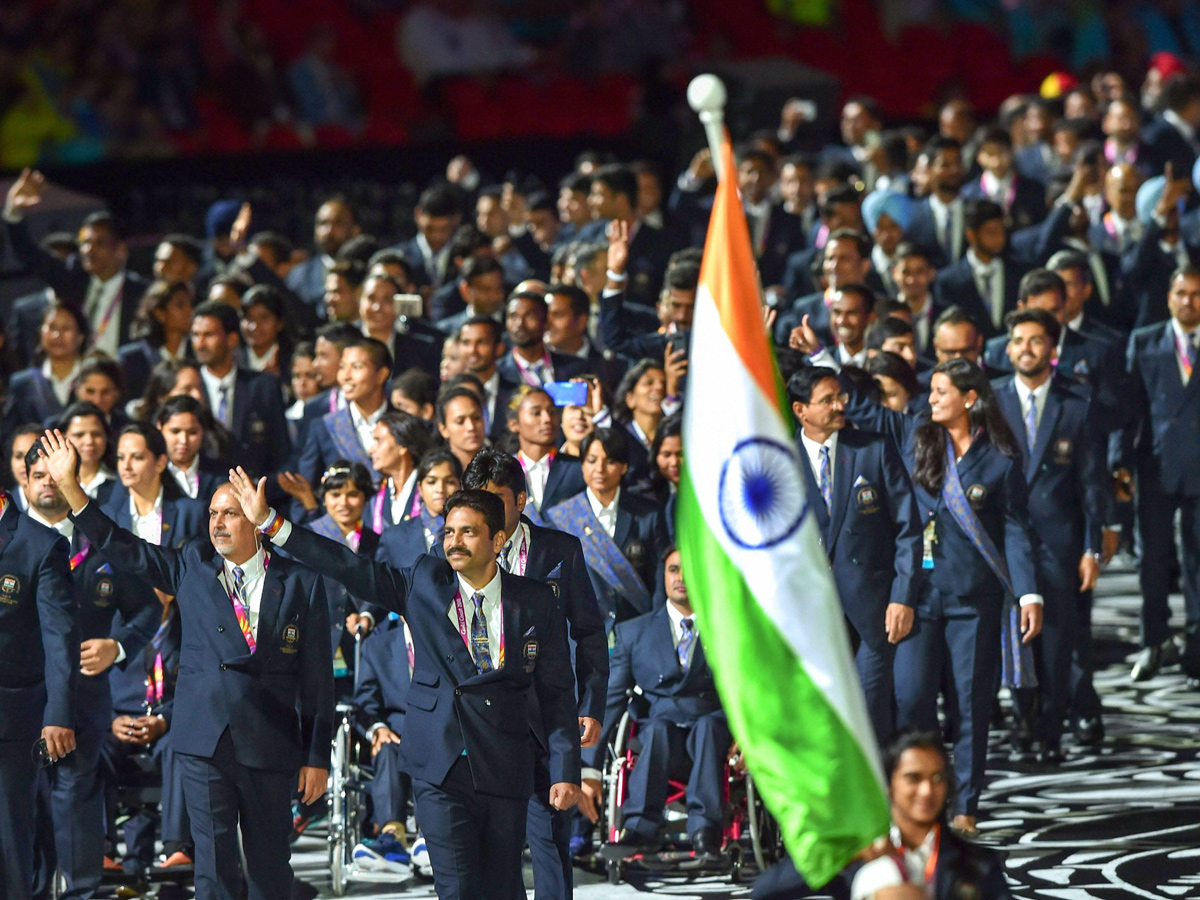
[[455, 37], [335, 224], [325, 94]]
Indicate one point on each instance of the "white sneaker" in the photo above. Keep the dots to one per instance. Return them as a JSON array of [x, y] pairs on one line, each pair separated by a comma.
[[419, 854], [385, 854]]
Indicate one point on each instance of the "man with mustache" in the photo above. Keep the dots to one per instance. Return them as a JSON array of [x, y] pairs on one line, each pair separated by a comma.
[[469, 741], [1053, 425], [254, 699]]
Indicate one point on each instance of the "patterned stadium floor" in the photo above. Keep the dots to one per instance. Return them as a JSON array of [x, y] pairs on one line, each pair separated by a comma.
[[1120, 823]]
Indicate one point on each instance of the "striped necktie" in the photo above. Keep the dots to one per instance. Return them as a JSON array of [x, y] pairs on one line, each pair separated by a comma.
[[825, 479], [686, 637], [479, 636], [241, 609], [1031, 424]]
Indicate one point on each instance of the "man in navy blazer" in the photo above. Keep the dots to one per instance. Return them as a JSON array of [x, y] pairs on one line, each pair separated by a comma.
[[661, 653], [1162, 445], [96, 281], [254, 698], [1052, 421], [249, 404], [556, 558], [39, 642], [74, 793], [529, 361], [870, 529], [483, 639], [1171, 136]]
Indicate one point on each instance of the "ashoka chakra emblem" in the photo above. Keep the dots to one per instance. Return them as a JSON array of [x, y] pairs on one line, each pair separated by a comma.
[[761, 496]]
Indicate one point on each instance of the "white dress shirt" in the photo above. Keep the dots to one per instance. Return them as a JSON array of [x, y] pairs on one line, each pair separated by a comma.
[[512, 550], [606, 514], [214, 387], [492, 614], [62, 386], [260, 363], [189, 479], [885, 871], [949, 221], [525, 367], [103, 297], [677, 618], [1178, 335], [846, 358], [149, 526], [399, 504], [92, 488], [491, 388], [253, 576], [536, 474], [989, 274], [922, 323], [1036, 396], [813, 451], [364, 426]]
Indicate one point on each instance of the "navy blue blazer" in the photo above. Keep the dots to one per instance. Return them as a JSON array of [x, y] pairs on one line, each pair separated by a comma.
[[873, 532], [386, 511], [30, 399], [1163, 438], [1147, 271], [183, 519], [1067, 484], [138, 359], [556, 558], [450, 705], [644, 655], [995, 484], [564, 480], [565, 368], [628, 330], [1163, 143], [39, 635], [446, 301], [320, 449], [1035, 161], [276, 703], [260, 433], [1029, 200], [649, 250], [420, 347], [24, 328], [400, 545], [955, 286], [128, 682], [68, 278], [922, 230], [108, 604], [307, 281], [341, 604], [383, 678]]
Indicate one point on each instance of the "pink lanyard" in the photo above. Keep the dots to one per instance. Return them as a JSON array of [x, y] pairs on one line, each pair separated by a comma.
[[78, 558], [522, 555], [465, 633], [333, 395], [532, 380], [354, 538], [380, 499], [1009, 196], [1181, 351]]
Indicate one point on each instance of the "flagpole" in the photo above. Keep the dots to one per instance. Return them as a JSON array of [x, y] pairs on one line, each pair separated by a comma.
[[706, 96]]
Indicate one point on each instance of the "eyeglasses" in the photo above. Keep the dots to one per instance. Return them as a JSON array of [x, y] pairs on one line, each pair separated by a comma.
[[842, 398]]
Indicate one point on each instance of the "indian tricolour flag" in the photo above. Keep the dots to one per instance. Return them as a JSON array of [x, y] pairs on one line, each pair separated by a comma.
[[759, 580]]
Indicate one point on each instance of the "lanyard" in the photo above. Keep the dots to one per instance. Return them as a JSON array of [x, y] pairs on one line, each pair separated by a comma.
[[1009, 195], [354, 538], [1181, 349], [380, 498], [78, 558], [530, 379], [930, 864], [522, 555], [109, 313], [333, 395], [465, 633]]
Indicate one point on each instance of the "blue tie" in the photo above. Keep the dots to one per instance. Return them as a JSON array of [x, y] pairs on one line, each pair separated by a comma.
[[1191, 351], [825, 479], [685, 643], [1031, 424], [479, 636]]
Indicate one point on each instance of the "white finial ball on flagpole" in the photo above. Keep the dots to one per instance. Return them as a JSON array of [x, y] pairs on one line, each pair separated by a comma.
[[706, 95]]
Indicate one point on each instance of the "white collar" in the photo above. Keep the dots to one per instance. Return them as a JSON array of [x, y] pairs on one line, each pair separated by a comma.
[[109, 282], [597, 508], [258, 363], [543, 463], [1026, 393], [225, 381], [48, 372], [979, 266], [938, 206], [1076, 323], [1180, 334], [677, 618], [251, 568], [814, 448], [490, 591], [359, 419], [158, 504], [66, 527]]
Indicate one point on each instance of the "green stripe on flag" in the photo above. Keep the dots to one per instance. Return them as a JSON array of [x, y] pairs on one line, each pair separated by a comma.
[[809, 767]]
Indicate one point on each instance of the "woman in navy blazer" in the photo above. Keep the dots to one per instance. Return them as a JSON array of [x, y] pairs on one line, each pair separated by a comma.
[[163, 324], [85, 426], [32, 395], [438, 476], [956, 639]]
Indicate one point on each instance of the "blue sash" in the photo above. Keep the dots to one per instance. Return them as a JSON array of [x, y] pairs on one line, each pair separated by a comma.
[[1016, 658], [600, 552], [436, 525], [341, 428]]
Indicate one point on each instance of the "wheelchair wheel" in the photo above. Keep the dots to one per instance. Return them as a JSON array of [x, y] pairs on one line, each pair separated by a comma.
[[339, 821], [736, 857], [614, 780], [615, 869], [765, 839]]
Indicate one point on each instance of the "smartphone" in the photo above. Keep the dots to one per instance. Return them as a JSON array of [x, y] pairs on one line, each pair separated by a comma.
[[409, 306], [678, 341], [567, 393]]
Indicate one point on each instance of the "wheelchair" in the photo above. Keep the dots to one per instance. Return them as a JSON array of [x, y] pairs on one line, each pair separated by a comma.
[[350, 775], [749, 833]]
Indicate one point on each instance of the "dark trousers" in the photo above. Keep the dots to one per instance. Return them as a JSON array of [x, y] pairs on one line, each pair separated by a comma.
[[668, 748], [875, 667], [389, 788], [144, 819], [70, 831], [474, 839], [957, 645], [548, 833], [1085, 702], [220, 792], [1046, 705], [1156, 521], [18, 779]]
